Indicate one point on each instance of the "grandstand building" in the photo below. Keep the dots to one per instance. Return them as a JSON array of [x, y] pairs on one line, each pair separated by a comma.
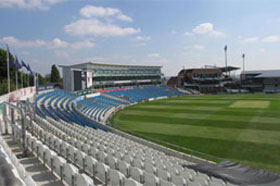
[[102, 76], [204, 80], [261, 81]]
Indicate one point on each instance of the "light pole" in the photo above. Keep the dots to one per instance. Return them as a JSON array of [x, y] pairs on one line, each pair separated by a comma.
[[243, 57], [226, 57]]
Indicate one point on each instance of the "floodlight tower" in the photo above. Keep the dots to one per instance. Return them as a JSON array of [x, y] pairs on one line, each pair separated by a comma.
[[226, 58], [243, 57]]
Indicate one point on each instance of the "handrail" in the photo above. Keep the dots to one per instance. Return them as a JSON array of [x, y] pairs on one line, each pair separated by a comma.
[[23, 122]]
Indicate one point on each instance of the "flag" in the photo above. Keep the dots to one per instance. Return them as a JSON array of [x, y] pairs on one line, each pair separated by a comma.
[[29, 69], [243, 55], [17, 64], [226, 48], [23, 64], [10, 56]]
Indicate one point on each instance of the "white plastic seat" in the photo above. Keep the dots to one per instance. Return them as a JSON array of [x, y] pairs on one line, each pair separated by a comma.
[[37, 144], [166, 183], [160, 165], [64, 149], [102, 148], [79, 159], [93, 151], [149, 161], [200, 180], [29, 181], [164, 175], [72, 141], [119, 155], [32, 145], [216, 181], [187, 175], [150, 179], [101, 156], [72, 153], [178, 180], [69, 172], [111, 151], [57, 145], [112, 162], [131, 182], [128, 159], [79, 145], [90, 165], [115, 177], [52, 138], [13, 158], [49, 154], [172, 170], [83, 180], [136, 174], [138, 163], [124, 168], [150, 168], [47, 138], [85, 148], [21, 171], [41, 152], [58, 165], [102, 172], [28, 140]]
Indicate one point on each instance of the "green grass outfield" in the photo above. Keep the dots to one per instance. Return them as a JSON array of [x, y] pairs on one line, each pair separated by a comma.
[[244, 128]]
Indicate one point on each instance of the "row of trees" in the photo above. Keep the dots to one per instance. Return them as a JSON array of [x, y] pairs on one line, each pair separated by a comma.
[[53, 77]]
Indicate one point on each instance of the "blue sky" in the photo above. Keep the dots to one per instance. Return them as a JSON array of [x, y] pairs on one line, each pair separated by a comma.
[[169, 33]]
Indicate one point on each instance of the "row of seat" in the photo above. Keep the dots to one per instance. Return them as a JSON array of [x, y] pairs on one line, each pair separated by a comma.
[[144, 93], [58, 105], [84, 161], [19, 167], [124, 158]]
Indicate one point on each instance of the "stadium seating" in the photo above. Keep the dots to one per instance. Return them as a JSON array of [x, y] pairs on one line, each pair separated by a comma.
[[144, 93], [69, 143]]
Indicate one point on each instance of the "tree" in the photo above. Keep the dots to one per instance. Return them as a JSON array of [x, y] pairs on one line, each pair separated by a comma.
[[55, 76], [42, 80]]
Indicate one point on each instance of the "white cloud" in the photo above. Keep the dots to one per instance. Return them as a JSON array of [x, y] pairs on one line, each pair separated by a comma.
[[251, 39], [271, 39], [58, 43], [154, 58], [154, 55], [203, 28], [143, 38], [97, 28], [62, 53], [207, 28], [198, 47], [29, 4], [194, 47], [188, 33], [95, 11], [55, 43], [10, 40], [97, 59]]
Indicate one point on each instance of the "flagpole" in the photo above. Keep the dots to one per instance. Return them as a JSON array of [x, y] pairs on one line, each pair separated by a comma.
[[226, 59], [35, 80], [8, 69], [16, 79], [21, 79], [28, 76]]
